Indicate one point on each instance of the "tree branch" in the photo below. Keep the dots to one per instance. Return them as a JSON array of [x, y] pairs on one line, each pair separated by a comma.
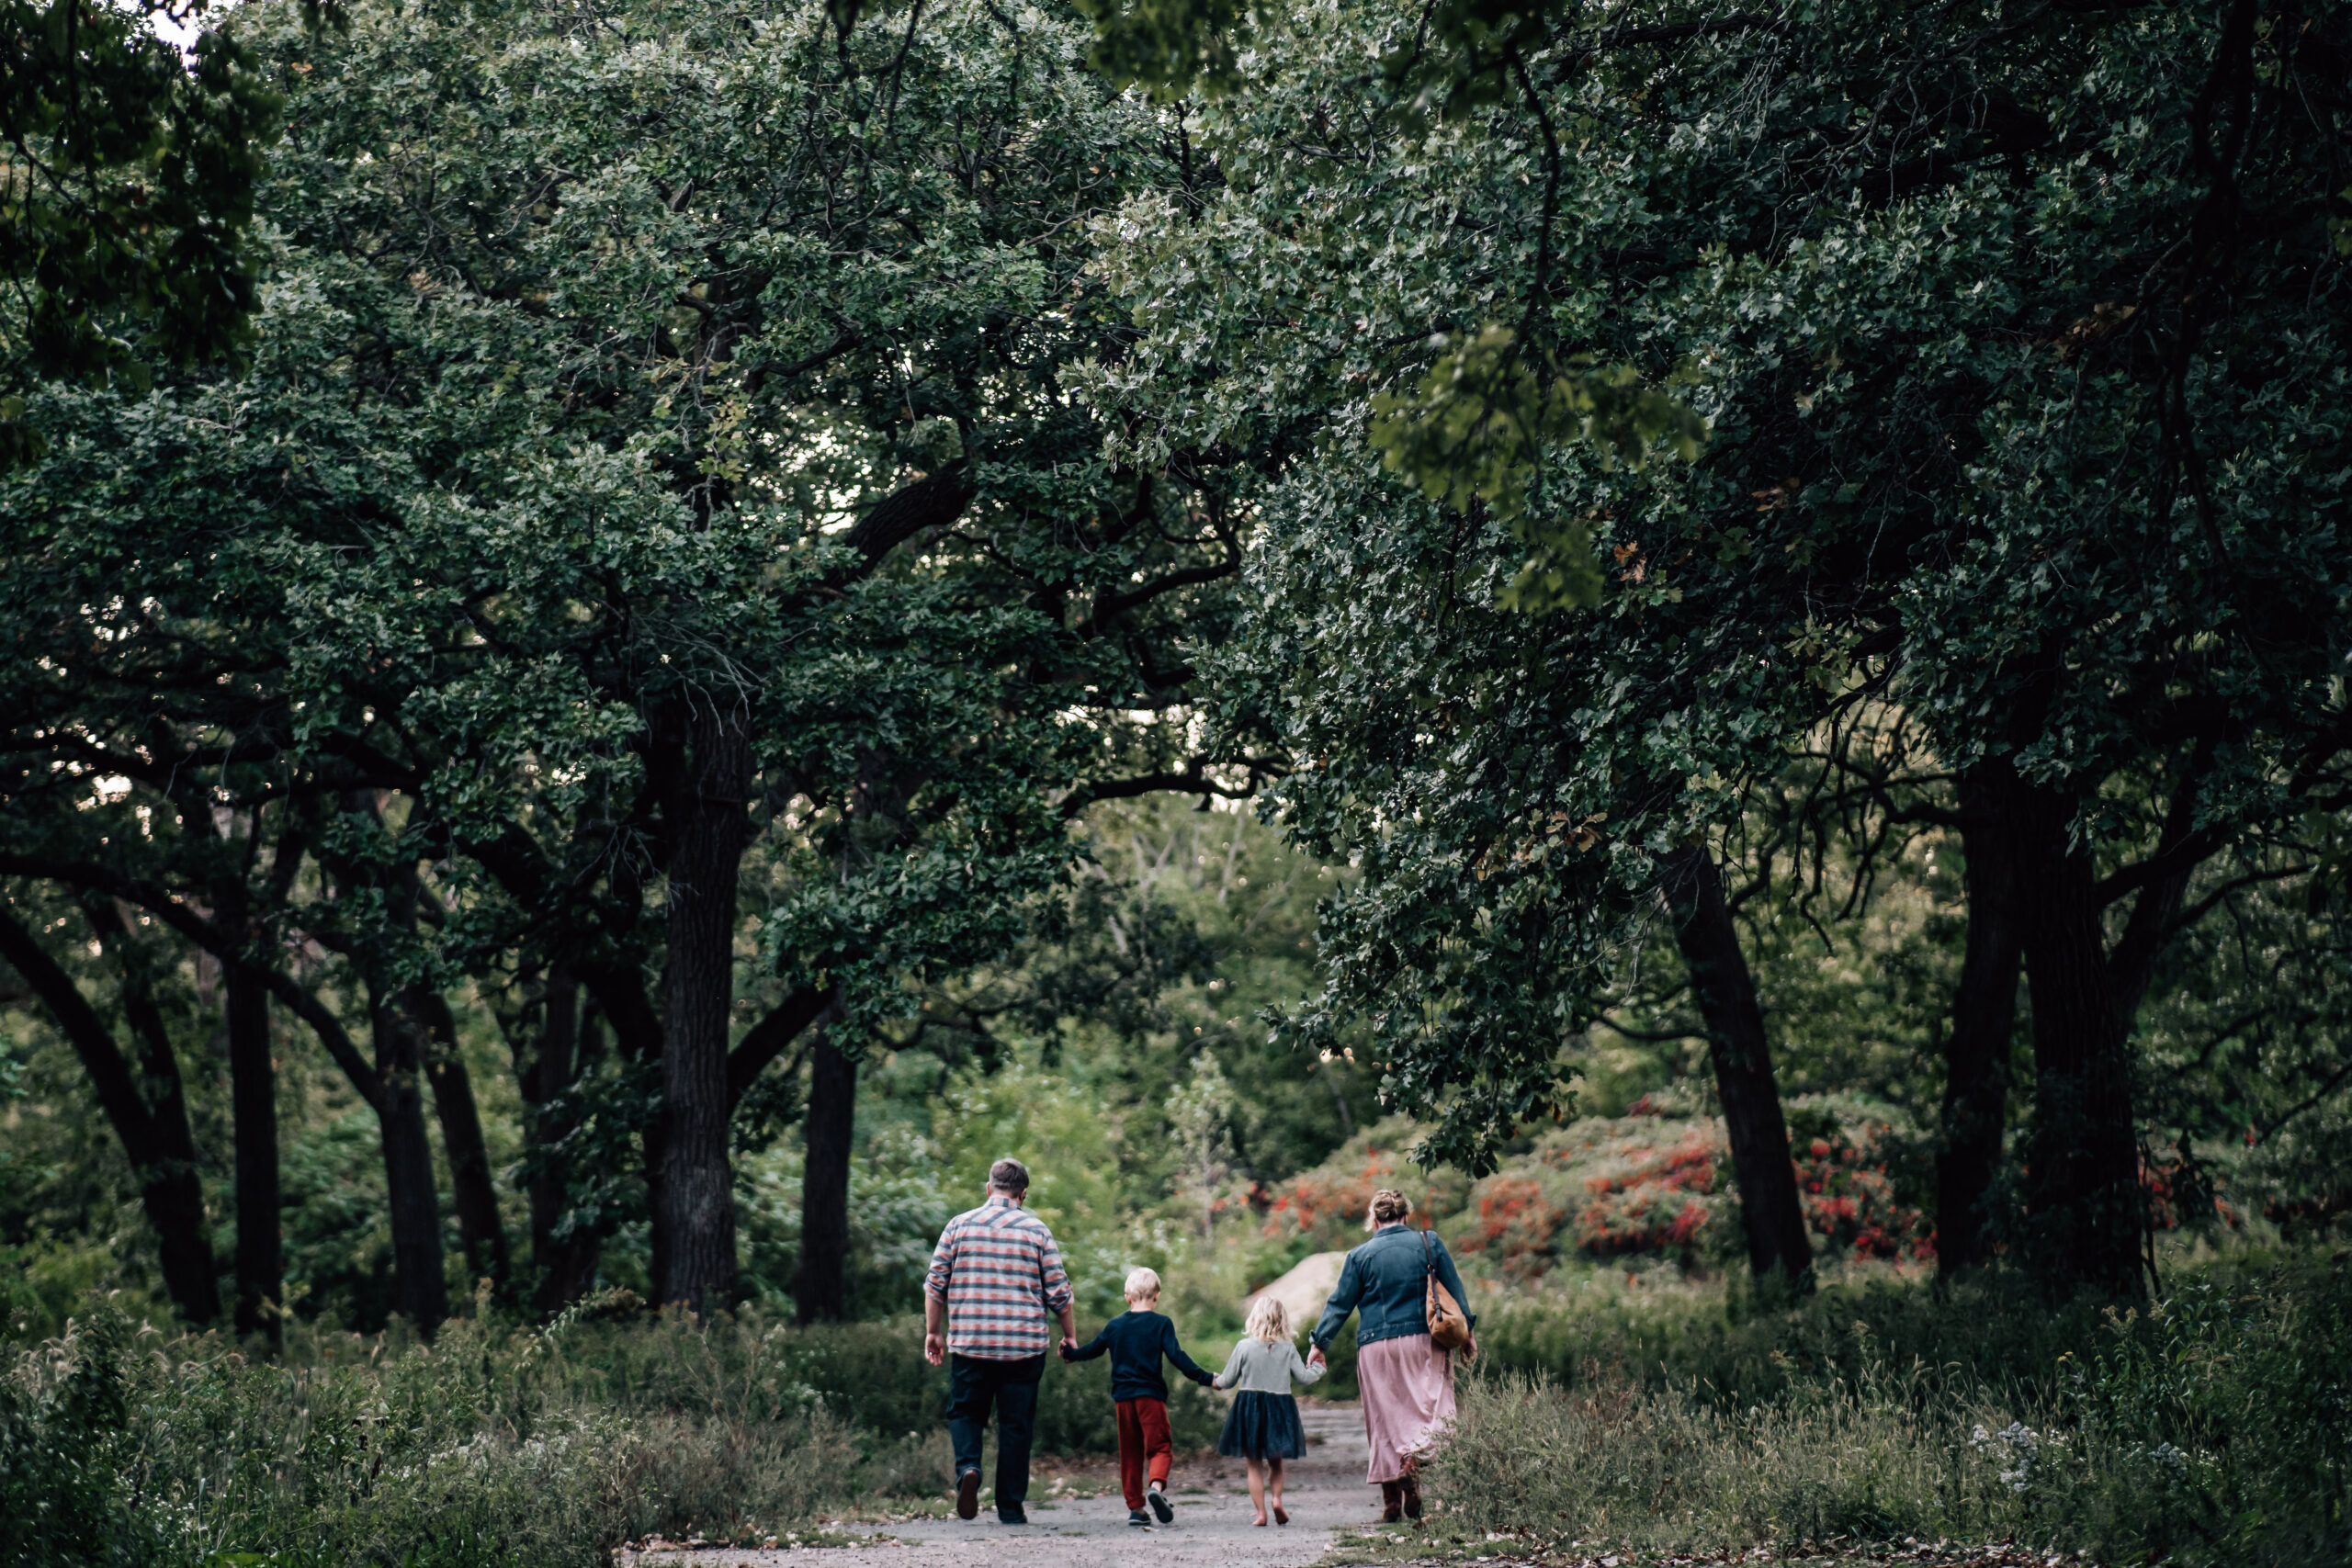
[[767, 1038], [929, 502], [91, 1039]]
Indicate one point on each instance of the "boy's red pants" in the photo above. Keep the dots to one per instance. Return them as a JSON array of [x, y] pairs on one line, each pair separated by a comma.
[[1143, 1436]]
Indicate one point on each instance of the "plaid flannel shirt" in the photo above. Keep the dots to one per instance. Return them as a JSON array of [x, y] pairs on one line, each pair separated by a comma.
[[999, 1272]]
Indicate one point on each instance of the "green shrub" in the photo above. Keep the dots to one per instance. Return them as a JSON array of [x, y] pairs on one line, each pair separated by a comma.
[[2213, 1428], [492, 1447]]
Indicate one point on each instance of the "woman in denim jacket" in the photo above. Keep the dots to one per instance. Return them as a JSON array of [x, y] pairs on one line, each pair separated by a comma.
[[1408, 1382]]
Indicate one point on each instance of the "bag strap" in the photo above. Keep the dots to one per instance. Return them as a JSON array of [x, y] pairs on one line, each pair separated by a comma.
[[1429, 1258]]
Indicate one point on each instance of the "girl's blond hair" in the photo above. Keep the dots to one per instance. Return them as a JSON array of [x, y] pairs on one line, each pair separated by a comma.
[[1143, 1285], [1269, 1320]]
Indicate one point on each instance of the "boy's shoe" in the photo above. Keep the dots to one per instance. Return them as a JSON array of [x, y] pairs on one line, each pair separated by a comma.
[[1137, 1519], [967, 1495], [1159, 1500], [1015, 1515]]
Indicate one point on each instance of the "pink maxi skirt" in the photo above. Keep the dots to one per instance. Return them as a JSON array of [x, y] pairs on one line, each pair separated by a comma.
[[1407, 1400]]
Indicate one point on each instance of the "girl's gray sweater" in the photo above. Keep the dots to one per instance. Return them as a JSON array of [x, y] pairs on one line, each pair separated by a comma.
[[1256, 1366]]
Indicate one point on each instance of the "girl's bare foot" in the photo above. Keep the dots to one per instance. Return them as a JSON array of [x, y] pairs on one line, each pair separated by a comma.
[[1280, 1516], [1260, 1521]]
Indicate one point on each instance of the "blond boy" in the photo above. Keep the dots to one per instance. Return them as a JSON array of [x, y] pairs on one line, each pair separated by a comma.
[[1137, 1340]]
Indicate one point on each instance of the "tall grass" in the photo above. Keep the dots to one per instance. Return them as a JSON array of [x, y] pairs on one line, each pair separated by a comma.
[[495, 1445], [2215, 1427]]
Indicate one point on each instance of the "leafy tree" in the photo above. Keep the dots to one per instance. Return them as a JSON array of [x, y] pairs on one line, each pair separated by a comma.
[[1200, 1113], [1979, 305], [659, 464], [128, 184]]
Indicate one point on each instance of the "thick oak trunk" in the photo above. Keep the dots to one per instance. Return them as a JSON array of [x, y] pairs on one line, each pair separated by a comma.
[[420, 1292], [2084, 1207], [1777, 1243], [693, 1199], [822, 1283], [1984, 1014], [252, 1102], [152, 1125], [479, 1230]]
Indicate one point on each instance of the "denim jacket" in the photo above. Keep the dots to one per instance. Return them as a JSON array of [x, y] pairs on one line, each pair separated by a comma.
[[1386, 1279]]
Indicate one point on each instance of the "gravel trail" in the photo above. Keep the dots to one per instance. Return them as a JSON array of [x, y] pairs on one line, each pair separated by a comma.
[[1323, 1490]]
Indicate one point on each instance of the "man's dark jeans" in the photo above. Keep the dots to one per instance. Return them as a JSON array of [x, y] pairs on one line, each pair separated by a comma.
[[1011, 1386]]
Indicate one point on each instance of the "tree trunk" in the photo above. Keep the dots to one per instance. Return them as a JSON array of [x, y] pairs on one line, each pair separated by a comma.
[[154, 1136], [1983, 1013], [694, 1199], [822, 1283], [172, 1187], [479, 1230], [253, 1102], [1777, 1242], [2084, 1206], [420, 1292], [566, 1264]]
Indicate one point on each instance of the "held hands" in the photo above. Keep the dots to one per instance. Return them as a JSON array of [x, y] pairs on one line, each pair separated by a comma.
[[934, 1348], [1314, 1357]]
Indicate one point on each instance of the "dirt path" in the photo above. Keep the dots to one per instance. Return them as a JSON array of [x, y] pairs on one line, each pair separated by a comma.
[[1324, 1490]]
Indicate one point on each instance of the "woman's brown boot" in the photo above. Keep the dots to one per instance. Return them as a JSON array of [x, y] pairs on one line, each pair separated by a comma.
[[1392, 1502], [1412, 1491]]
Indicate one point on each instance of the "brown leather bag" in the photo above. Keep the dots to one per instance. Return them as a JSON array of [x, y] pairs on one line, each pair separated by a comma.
[[1449, 1325]]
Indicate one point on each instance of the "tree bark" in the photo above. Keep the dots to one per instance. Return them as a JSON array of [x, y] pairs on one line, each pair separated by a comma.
[[708, 828], [566, 1264], [823, 1282], [620, 992], [2084, 1207], [175, 1210], [253, 1102], [479, 1230], [154, 1136], [1984, 1014], [420, 1291], [1777, 1243]]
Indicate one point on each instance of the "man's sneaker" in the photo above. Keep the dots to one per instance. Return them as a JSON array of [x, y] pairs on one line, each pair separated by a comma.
[[1015, 1515], [967, 1495], [1137, 1519], [1159, 1500]]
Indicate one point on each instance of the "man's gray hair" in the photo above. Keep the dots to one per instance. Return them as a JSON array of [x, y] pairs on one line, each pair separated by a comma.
[[1008, 1177]]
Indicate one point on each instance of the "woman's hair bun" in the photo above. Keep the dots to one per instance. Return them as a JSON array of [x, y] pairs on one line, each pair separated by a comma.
[[1388, 1206]]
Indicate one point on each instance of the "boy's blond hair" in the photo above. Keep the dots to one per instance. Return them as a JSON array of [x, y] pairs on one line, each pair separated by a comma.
[[1269, 1320], [1143, 1285]]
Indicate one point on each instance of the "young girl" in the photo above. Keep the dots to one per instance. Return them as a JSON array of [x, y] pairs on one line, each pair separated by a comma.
[[1262, 1428]]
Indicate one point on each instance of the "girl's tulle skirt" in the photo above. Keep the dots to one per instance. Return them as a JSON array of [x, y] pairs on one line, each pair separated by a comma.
[[1263, 1425]]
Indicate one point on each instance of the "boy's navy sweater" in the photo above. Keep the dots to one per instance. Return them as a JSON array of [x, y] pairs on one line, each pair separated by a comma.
[[1137, 1340]]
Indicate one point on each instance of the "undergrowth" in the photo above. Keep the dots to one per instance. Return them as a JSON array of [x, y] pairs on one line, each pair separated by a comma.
[[495, 1445], [2214, 1426]]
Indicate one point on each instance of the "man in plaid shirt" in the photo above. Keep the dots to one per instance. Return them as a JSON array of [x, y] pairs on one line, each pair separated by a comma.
[[996, 1275]]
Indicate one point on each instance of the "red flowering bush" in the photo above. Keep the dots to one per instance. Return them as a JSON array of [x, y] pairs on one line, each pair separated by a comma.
[[1654, 1183], [1655, 1198], [1328, 1204], [1850, 1199]]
